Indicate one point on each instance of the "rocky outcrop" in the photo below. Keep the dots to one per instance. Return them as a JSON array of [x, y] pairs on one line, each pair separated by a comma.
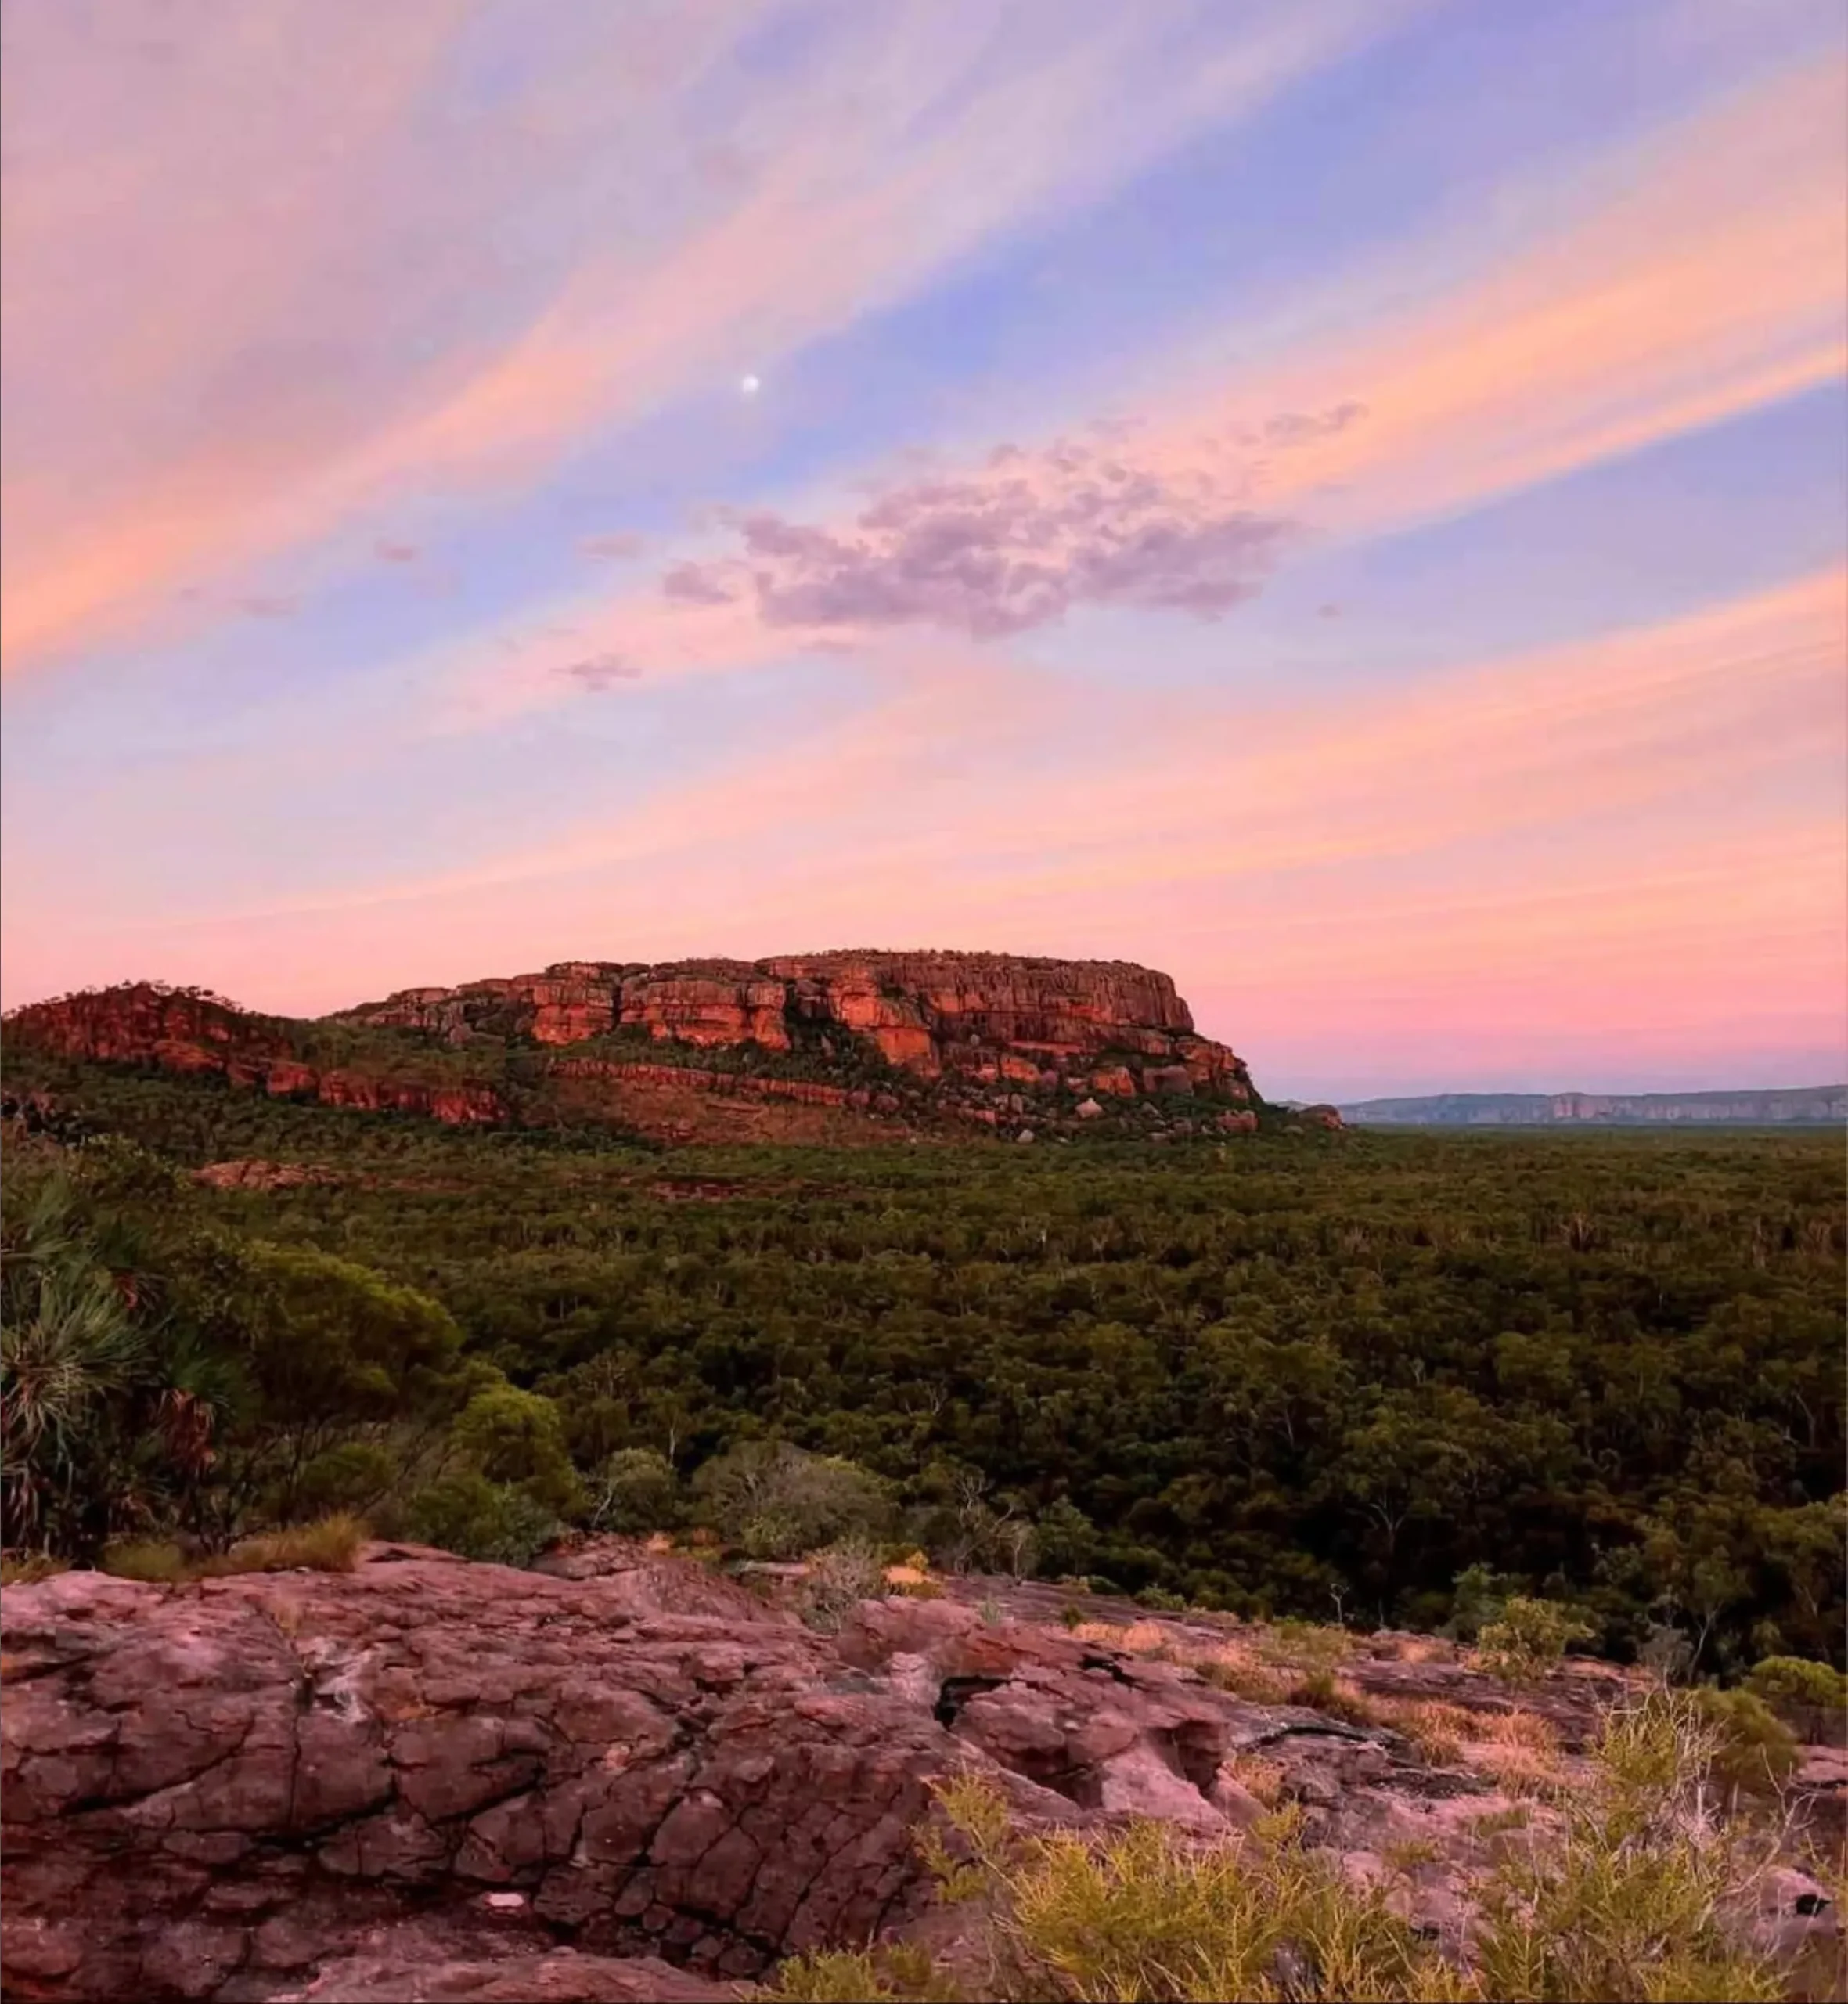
[[214, 1790], [264, 1175], [945, 1038], [803, 1092], [430, 1778], [924, 1013], [189, 1031]]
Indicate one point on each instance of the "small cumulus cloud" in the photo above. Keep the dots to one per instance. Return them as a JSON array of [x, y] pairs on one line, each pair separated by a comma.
[[264, 607], [613, 547], [597, 673], [396, 553], [1015, 547], [1331, 611], [698, 584]]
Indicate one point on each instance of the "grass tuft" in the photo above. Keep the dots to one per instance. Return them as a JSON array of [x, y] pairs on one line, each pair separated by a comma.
[[330, 1545]]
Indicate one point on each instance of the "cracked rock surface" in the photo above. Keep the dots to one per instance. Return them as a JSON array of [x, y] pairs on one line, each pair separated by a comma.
[[430, 1780]]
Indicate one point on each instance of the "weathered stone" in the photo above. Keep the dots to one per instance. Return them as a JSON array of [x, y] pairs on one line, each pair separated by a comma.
[[434, 1779], [1004, 1019]]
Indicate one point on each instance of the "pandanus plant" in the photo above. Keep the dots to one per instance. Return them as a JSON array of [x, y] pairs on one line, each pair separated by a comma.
[[102, 1407]]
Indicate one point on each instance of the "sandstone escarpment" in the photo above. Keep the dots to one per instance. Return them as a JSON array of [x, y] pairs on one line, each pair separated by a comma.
[[1019, 1017], [939, 1041]]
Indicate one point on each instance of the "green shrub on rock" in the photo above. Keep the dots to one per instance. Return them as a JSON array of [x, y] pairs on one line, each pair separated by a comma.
[[1529, 1638], [1796, 1680], [474, 1518], [1753, 1750], [777, 1501]]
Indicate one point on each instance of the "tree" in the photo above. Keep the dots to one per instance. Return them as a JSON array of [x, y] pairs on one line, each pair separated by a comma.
[[518, 1437], [637, 1491], [326, 1349], [777, 1500]]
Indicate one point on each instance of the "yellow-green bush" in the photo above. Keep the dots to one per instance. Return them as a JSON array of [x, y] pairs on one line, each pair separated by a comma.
[[1753, 1750], [1528, 1638], [1797, 1681], [26, 1569], [1640, 1894]]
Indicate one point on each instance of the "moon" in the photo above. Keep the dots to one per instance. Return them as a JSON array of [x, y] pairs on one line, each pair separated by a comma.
[[748, 386]]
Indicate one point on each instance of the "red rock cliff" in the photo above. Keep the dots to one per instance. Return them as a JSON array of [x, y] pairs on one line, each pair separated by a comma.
[[1107, 1023], [188, 1030], [965, 1026]]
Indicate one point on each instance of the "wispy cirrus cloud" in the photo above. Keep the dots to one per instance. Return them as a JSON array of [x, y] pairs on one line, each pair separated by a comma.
[[1382, 889], [1692, 276], [1682, 278], [255, 409]]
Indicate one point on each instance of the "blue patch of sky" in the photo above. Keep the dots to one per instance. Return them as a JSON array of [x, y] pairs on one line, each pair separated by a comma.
[[1732, 509]]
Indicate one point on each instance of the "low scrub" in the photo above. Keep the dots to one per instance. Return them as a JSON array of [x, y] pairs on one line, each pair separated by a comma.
[[1635, 1889], [840, 1577], [1527, 1639], [26, 1568]]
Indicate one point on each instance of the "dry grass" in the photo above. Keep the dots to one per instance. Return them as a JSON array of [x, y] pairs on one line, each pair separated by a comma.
[[1334, 1697], [1242, 1679], [26, 1569], [1520, 1751], [1438, 1731], [1260, 1777], [1305, 1647], [1399, 1647], [1518, 1770], [1518, 1728], [1411, 1854], [332, 1544]]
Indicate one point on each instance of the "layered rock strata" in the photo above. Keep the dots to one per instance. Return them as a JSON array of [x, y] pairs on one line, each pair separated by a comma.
[[1014, 1017], [967, 1035]]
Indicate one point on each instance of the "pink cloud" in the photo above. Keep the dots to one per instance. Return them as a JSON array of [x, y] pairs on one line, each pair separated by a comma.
[[1011, 548]]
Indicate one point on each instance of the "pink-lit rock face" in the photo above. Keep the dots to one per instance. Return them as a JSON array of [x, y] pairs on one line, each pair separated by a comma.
[[921, 1012], [973, 1021]]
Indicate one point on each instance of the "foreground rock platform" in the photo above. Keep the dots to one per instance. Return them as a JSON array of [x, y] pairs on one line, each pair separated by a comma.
[[434, 1779]]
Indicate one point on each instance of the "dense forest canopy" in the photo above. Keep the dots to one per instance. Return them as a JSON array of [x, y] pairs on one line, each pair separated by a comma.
[[1303, 1373]]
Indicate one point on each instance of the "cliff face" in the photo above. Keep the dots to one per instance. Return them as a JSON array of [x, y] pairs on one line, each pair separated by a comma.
[[1112, 1026], [995, 1038]]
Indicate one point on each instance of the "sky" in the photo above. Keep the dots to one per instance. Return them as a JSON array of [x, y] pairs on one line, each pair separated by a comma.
[[1345, 501]]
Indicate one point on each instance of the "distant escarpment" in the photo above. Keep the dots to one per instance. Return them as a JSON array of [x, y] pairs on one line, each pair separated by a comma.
[[801, 1047], [1752, 1107]]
